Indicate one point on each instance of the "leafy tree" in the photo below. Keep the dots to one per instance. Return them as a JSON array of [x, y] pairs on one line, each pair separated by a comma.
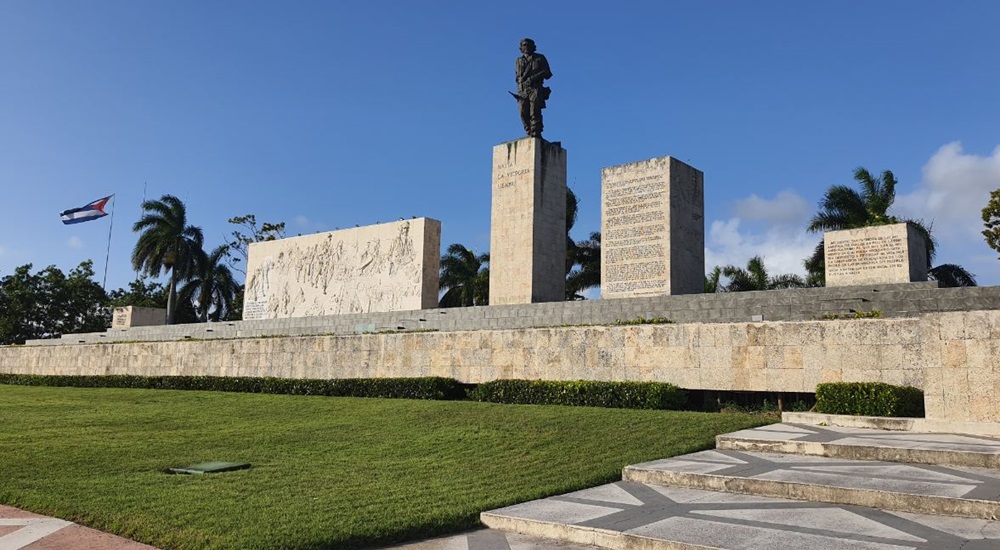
[[249, 233], [843, 207], [211, 288], [167, 243], [951, 275], [465, 277], [755, 277], [50, 303], [991, 220], [139, 294]]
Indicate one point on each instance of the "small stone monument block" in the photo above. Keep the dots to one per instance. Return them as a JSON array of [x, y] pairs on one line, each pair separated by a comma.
[[528, 223], [376, 268], [133, 316], [882, 254], [652, 229]]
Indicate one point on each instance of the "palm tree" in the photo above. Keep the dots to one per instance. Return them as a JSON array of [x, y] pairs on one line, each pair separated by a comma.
[[843, 207], [166, 243], [587, 255], [211, 287], [466, 277], [713, 281], [755, 277]]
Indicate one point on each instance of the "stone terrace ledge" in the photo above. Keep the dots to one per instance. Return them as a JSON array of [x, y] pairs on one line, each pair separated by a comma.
[[895, 300]]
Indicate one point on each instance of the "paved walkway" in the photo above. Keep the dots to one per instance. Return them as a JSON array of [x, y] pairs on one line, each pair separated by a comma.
[[20, 529]]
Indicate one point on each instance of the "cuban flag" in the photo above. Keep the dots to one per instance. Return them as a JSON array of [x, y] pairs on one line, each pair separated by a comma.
[[86, 213]]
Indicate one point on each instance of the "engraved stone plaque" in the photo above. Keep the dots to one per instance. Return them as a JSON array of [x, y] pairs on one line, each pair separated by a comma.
[[875, 255], [528, 223], [384, 267], [652, 229], [134, 316]]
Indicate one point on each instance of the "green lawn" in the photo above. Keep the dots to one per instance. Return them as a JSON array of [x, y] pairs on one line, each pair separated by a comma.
[[327, 472]]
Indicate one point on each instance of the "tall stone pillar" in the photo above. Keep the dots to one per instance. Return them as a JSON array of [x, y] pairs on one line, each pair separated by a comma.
[[652, 229], [528, 223]]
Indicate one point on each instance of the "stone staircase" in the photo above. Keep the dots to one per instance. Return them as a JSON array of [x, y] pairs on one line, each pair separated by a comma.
[[784, 486]]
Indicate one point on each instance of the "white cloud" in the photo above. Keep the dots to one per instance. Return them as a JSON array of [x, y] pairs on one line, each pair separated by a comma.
[[75, 242], [951, 195], [302, 221], [955, 188], [306, 225], [782, 246], [787, 207]]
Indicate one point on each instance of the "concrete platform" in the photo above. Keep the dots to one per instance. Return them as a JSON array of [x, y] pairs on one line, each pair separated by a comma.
[[867, 444], [628, 516], [918, 488]]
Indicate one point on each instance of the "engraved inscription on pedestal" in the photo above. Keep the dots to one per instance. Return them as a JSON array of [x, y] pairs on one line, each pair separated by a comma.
[[652, 229], [528, 223], [385, 267], [882, 254]]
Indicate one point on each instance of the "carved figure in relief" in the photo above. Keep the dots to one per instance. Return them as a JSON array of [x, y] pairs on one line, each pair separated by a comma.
[[530, 72]]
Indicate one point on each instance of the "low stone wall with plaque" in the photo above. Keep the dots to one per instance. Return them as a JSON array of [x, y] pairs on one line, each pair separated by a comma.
[[881, 254], [133, 316], [652, 229], [384, 267]]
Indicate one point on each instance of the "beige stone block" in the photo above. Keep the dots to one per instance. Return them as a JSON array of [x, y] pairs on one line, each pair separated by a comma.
[[787, 380], [902, 331], [981, 354], [890, 356], [756, 334], [977, 325], [953, 325], [813, 357], [953, 354], [792, 358], [737, 334], [774, 357], [756, 357], [738, 357]]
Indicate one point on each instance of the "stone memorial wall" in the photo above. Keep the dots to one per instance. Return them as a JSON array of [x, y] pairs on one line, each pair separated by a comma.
[[384, 267], [652, 229], [875, 255]]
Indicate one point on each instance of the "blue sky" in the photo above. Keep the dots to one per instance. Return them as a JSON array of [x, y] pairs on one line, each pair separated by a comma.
[[334, 114]]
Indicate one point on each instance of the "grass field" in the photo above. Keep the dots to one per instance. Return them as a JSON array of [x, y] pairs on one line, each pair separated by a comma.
[[327, 472]]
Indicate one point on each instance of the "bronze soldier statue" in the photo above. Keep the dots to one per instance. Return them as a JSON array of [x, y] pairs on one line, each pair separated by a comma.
[[530, 72]]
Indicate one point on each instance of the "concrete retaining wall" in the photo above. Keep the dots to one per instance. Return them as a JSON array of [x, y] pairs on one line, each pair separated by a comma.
[[954, 357]]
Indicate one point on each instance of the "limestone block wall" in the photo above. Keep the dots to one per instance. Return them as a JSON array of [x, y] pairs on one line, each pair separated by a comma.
[[953, 356]]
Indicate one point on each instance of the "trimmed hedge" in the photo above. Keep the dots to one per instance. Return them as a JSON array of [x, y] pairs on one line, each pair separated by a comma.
[[869, 399], [406, 388], [619, 395]]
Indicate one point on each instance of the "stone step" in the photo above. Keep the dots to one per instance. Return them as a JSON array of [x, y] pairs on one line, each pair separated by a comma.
[[867, 444], [926, 425], [917, 488], [629, 516]]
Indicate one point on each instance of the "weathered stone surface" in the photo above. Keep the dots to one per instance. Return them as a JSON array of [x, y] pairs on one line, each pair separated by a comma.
[[385, 267], [133, 316], [652, 229], [528, 223], [875, 255]]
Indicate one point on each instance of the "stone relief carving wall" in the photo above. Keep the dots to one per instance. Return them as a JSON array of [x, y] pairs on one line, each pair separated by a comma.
[[385, 267]]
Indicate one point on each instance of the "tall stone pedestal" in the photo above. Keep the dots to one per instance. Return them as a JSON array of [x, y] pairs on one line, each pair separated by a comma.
[[881, 254], [528, 223], [652, 229]]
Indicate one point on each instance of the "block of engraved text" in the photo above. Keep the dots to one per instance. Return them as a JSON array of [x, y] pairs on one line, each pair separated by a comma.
[[652, 229], [528, 223], [881, 254], [385, 267]]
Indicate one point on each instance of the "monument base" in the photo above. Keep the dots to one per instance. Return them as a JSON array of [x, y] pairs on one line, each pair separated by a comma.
[[528, 223]]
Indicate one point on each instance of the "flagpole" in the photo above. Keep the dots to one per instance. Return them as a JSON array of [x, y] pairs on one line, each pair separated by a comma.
[[107, 256]]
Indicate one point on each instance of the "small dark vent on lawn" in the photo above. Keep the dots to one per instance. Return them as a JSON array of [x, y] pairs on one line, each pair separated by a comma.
[[210, 468]]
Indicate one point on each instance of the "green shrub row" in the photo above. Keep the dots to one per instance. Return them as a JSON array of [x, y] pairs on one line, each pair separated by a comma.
[[619, 395], [407, 388], [869, 399]]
